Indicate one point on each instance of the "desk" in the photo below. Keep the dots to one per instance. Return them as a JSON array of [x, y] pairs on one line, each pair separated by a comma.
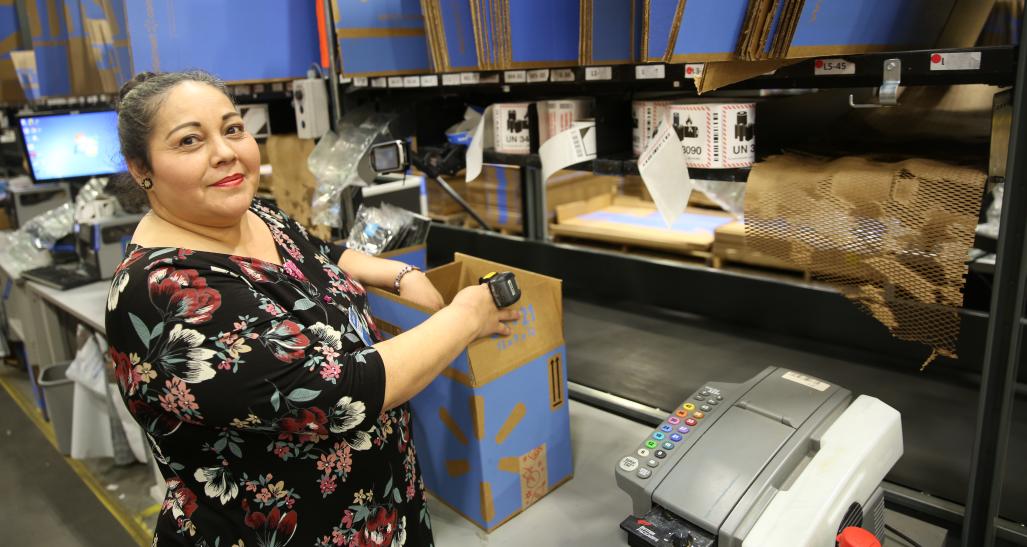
[[585, 510]]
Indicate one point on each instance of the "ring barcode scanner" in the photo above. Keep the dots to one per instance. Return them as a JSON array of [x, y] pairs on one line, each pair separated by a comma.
[[503, 287]]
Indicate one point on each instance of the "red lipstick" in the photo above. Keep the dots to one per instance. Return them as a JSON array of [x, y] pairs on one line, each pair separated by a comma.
[[229, 181]]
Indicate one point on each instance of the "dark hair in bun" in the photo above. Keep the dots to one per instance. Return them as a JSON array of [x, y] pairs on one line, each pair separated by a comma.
[[140, 99]]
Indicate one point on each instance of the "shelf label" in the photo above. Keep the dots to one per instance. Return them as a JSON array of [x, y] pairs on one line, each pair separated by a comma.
[[540, 75], [430, 80], [412, 81], [360, 82], [562, 75], [594, 73], [450, 79], [469, 78], [694, 71], [965, 60], [833, 67], [515, 76], [395, 81], [380, 82], [650, 72]]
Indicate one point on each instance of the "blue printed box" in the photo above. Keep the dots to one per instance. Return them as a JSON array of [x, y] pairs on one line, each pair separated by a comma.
[[415, 255], [493, 430], [268, 40], [704, 30], [381, 38], [611, 31]]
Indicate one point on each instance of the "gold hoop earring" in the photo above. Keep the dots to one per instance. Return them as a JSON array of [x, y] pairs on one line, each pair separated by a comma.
[[146, 184]]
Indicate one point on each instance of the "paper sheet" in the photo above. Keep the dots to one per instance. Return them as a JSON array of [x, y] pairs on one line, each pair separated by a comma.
[[475, 152], [569, 147], [665, 173]]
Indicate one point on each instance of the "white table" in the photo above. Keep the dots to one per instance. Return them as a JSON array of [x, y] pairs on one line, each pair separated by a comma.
[[586, 510]]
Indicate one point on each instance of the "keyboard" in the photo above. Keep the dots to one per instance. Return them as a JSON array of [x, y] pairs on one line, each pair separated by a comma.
[[62, 276]]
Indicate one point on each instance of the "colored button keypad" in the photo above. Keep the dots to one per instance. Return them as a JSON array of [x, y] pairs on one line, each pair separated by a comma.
[[651, 444], [668, 445], [673, 420], [675, 437], [688, 406], [690, 421], [683, 430], [666, 428], [659, 435], [699, 415]]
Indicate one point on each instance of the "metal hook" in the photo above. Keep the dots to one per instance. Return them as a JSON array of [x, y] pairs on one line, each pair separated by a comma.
[[887, 95]]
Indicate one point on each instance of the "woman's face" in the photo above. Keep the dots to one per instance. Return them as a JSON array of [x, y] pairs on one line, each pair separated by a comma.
[[206, 167]]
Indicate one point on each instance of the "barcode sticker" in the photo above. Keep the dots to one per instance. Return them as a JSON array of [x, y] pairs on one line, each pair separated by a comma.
[[966, 60], [807, 381], [395, 81], [450, 79], [360, 82], [380, 82], [515, 76], [430, 80], [650, 72], [540, 75], [694, 70], [412, 81], [833, 67], [469, 78]]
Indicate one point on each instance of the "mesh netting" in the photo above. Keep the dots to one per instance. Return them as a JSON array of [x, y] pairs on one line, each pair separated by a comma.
[[892, 237]]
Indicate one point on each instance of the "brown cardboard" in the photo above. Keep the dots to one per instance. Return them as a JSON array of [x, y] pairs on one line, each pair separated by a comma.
[[292, 183], [24, 60], [965, 23], [569, 225], [718, 75]]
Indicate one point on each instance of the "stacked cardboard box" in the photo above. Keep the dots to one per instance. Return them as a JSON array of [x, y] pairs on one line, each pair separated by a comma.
[[292, 183], [496, 194]]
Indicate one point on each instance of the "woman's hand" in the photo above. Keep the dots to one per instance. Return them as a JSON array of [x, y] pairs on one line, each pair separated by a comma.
[[417, 288], [476, 301]]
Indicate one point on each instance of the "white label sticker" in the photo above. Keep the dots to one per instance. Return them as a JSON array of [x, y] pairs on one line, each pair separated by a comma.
[[832, 67], [593, 73], [450, 79], [567, 148], [562, 75], [694, 70], [967, 60], [807, 381], [515, 76], [665, 173], [395, 81], [412, 81], [650, 72], [380, 82], [341, 80], [430, 80], [540, 75], [469, 78], [360, 82]]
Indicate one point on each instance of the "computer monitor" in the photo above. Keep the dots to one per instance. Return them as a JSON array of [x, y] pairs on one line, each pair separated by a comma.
[[71, 145]]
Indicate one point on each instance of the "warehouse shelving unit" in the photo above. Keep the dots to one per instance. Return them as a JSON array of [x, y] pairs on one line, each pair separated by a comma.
[[994, 334]]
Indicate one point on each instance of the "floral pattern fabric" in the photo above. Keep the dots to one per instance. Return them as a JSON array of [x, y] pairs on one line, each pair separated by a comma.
[[261, 396]]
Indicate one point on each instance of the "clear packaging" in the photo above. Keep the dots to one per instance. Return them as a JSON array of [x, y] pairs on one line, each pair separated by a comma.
[[378, 230]]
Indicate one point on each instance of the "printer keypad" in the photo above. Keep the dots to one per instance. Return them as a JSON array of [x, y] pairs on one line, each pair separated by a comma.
[[671, 432]]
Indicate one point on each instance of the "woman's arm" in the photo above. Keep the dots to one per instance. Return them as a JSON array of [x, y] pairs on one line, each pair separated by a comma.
[[381, 273], [414, 358]]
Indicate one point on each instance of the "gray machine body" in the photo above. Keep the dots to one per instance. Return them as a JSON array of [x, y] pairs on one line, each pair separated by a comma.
[[756, 438], [101, 243], [25, 204]]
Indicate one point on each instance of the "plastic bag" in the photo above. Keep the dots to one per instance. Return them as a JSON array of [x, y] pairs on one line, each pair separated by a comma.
[[377, 230], [729, 195]]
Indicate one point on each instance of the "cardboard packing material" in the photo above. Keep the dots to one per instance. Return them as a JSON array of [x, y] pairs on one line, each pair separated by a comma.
[[257, 49], [493, 430], [381, 38], [631, 221]]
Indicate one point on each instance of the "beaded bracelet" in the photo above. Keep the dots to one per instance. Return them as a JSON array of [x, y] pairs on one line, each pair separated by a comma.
[[399, 277]]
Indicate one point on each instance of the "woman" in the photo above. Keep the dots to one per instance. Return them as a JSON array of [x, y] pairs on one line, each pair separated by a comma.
[[245, 349]]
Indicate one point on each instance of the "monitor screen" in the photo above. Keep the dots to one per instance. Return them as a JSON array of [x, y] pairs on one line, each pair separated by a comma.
[[72, 145]]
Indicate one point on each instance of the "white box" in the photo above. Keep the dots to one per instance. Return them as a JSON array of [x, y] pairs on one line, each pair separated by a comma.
[[558, 116]]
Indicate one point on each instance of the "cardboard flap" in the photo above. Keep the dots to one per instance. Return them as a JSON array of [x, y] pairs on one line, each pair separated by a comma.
[[539, 329]]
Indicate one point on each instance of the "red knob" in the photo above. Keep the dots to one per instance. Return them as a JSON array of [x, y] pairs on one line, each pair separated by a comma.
[[856, 537]]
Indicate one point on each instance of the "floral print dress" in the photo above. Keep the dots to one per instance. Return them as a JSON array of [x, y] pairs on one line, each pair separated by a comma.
[[261, 395]]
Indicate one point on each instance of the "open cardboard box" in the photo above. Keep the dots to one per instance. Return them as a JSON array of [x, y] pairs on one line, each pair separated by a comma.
[[493, 430]]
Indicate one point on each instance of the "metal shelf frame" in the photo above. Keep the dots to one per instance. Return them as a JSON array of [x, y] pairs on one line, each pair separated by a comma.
[[996, 335]]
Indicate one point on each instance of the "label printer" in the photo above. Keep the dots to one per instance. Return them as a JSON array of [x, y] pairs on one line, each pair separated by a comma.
[[101, 243], [783, 459]]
